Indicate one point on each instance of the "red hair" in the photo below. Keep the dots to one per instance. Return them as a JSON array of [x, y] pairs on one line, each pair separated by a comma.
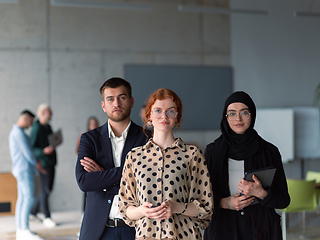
[[162, 94]]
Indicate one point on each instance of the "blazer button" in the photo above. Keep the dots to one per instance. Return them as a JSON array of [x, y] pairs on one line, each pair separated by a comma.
[[109, 201]]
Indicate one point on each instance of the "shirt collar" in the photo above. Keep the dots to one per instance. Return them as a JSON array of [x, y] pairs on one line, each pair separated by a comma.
[[124, 133], [177, 143], [16, 126]]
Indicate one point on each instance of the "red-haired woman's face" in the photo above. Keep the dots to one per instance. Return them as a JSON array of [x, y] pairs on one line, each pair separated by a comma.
[[163, 115]]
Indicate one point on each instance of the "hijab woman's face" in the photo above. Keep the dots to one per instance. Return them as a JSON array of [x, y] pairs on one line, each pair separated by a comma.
[[238, 116]]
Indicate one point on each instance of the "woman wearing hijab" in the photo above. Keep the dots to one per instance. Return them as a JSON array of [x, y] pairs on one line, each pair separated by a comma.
[[240, 149]]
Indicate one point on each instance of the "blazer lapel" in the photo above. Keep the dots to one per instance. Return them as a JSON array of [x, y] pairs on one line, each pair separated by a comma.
[[130, 141], [106, 147]]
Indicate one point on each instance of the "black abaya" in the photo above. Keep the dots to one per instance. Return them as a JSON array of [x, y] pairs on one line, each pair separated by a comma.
[[258, 221]]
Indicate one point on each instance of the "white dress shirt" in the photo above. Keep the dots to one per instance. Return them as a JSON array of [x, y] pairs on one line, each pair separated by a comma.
[[236, 173], [117, 144]]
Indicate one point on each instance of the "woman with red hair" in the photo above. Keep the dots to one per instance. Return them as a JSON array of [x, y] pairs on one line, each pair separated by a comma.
[[165, 189]]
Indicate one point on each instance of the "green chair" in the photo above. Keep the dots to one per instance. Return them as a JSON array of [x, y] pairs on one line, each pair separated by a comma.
[[311, 175], [303, 199]]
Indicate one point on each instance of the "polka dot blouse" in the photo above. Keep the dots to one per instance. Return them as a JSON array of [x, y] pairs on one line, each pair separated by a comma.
[[177, 173]]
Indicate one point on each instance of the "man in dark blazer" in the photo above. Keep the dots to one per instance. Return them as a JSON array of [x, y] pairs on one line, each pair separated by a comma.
[[100, 162]]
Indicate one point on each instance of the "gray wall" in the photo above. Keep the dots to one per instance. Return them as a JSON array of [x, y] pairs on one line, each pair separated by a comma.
[[62, 55], [276, 58]]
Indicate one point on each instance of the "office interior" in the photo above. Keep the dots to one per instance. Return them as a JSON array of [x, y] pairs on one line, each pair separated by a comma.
[[61, 54]]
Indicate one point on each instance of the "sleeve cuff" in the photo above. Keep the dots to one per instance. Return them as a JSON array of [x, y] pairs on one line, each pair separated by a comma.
[[204, 214]]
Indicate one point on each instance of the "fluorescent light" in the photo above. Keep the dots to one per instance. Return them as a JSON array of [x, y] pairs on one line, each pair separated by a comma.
[[202, 9], [306, 14], [93, 4], [9, 1]]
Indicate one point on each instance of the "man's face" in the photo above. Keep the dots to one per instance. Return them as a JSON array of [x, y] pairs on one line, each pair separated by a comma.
[[117, 104], [28, 121]]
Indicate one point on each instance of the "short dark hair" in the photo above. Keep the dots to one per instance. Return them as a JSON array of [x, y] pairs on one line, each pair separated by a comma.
[[28, 113], [114, 83]]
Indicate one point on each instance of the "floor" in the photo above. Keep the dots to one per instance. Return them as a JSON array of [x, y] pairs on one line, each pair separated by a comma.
[[294, 227], [68, 225]]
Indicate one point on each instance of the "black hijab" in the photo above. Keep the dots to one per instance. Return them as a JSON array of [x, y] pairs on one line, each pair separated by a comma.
[[245, 147], [240, 146], [256, 153]]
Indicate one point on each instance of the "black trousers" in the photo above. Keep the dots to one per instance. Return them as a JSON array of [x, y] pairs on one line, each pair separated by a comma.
[[118, 233], [42, 199]]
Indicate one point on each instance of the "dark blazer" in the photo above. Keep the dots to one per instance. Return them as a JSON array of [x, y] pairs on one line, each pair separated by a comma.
[[101, 186]]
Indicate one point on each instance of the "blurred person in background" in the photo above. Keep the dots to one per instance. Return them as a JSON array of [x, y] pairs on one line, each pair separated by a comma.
[[24, 169], [92, 123], [48, 157]]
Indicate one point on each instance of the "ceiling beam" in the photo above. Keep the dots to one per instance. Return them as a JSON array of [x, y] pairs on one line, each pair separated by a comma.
[[205, 9], [9, 1], [306, 14], [106, 5]]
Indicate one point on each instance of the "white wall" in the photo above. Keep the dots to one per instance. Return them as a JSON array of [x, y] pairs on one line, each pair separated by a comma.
[[62, 55], [276, 57]]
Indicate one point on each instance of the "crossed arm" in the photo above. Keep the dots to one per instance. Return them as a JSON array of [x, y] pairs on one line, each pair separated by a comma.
[[90, 165]]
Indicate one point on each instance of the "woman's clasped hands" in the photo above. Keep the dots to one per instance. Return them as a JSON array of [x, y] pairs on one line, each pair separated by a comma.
[[249, 190], [164, 211], [236, 202], [254, 188]]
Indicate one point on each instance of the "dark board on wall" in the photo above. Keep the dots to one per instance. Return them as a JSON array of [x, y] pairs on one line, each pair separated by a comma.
[[202, 90]]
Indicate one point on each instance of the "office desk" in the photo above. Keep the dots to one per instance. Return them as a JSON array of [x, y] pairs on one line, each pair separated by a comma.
[[8, 194]]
